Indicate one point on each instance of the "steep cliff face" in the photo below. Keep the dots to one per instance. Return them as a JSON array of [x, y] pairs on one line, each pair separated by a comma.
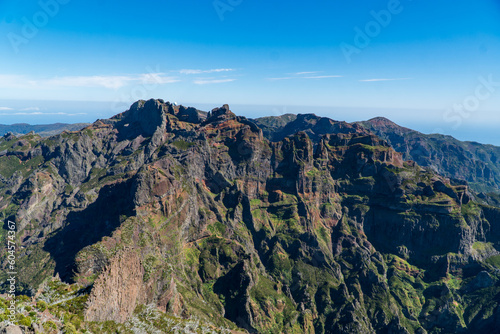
[[118, 291], [276, 128], [470, 161], [324, 230]]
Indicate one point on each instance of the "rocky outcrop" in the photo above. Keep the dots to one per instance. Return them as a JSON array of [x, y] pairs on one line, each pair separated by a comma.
[[220, 114], [118, 290], [11, 330]]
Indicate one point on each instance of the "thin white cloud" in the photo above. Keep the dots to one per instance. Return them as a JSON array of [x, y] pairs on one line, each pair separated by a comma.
[[211, 81], [29, 113], [323, 76], [103, 81], [303, 73], [112, 82], [22, 109], [215, 70], [38, 113], [308, 77], [284, 78], [384, 79], [157, 78], [15, 81]]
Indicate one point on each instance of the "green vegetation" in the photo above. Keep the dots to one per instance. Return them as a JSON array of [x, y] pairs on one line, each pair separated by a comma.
[[494, 261], [217, 228], [182, 144], [66, 303], [482, 246], [471, 209], [12, 164]]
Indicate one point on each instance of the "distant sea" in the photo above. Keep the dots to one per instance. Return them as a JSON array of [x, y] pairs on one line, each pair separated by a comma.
[[480, 127]]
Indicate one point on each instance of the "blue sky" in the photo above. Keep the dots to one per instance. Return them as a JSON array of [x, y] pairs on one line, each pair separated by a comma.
[[432, 66]]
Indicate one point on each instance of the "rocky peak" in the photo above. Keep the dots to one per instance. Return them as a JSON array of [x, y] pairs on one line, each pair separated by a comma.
[[9, 136], [381, 121], [384, 123], [315, 127], [191, 115], [310, 117], [143, 118], [220, 114], [186, 114]]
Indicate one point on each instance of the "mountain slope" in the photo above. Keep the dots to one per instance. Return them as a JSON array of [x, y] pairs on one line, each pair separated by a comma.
[[468, 161], [327, 230], [476, 163], [276, 128]]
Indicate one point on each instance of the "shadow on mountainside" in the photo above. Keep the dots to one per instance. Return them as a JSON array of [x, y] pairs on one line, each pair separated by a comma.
[[86, 227]]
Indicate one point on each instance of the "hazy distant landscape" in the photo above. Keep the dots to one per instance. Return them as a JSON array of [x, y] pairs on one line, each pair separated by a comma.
[[88, 112], [44, 130]]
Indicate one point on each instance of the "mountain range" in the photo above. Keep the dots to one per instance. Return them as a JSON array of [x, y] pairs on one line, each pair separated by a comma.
[[44, 130], [165, 218]]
